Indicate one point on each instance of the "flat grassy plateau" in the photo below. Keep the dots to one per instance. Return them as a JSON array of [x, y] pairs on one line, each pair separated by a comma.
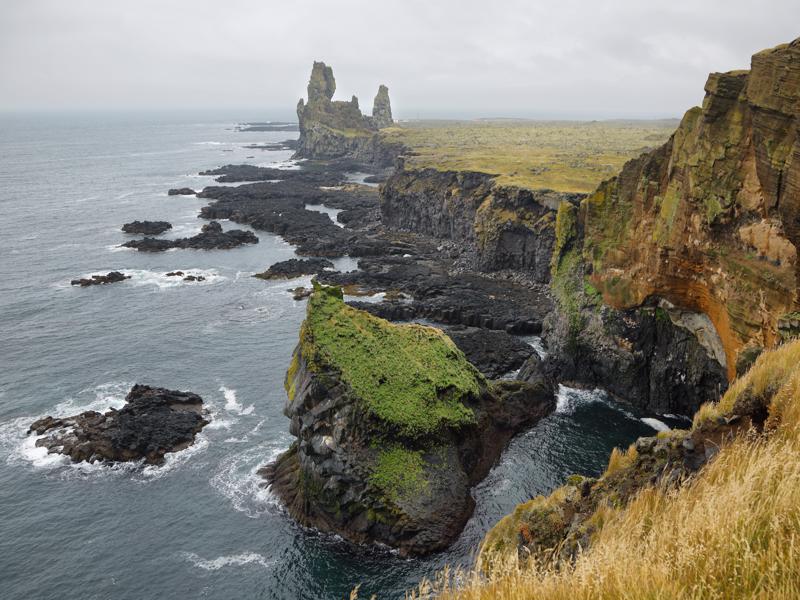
[[565, 156]]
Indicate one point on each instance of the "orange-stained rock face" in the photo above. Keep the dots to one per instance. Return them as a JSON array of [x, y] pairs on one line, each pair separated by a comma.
[[711, 220]]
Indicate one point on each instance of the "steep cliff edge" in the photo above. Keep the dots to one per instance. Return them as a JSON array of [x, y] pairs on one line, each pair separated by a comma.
[[711, 220], [394, 426], [332, 129], [499, 227], [685, 513]]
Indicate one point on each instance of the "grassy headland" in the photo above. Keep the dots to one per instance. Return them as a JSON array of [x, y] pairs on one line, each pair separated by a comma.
[[565, 156], [412, 377], [728, 532]]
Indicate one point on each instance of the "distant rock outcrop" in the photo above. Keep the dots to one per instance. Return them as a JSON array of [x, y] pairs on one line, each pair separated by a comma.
[[382, 109], [336, 129], [147, 227]]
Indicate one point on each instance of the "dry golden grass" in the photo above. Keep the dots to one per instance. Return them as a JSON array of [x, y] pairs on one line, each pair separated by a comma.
[[566, 156], [731, 532]]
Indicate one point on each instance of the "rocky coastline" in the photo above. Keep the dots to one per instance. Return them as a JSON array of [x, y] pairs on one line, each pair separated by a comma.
[[486, 263]]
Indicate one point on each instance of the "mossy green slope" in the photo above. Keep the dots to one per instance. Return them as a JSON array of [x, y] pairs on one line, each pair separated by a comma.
[[411, 377]]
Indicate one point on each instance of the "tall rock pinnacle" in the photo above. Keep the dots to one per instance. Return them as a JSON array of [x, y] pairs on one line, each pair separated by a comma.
[[382, 109]]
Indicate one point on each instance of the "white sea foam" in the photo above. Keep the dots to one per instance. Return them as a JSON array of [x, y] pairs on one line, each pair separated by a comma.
[[238, 480], [175, 460], [159, 279], [235, 560], [535, 342], [655, 424], [569, 399], [232, 404], [118, 248], [373, 299], [143, 277]]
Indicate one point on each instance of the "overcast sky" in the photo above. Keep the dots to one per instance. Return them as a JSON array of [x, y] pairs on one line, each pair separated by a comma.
[[553, 58]]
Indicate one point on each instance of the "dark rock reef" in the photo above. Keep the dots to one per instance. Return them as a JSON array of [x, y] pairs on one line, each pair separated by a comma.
[[212, 237], [153, 422], [111, 277], [294, 267], [394, 426], [181, 192], [147, 227]]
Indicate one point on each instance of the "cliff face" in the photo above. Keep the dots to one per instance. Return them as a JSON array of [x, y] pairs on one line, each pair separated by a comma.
[[393, 427], [504, 227], [711, 220], [336, 129]]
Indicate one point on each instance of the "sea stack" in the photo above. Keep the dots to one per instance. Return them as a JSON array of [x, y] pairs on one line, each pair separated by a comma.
[[393, 428], [333, 129]]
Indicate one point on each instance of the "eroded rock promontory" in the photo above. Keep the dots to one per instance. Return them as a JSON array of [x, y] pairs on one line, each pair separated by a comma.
[[394, 426]]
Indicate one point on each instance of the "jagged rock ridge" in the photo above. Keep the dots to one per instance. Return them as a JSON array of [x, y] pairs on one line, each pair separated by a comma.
[[337, 129]]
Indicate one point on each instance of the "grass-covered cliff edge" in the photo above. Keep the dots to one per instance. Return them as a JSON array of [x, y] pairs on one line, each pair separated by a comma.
[[710, 512]]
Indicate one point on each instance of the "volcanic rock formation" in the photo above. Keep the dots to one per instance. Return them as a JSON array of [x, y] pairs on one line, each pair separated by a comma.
[[153, 422], [394, 426], [337, 129]]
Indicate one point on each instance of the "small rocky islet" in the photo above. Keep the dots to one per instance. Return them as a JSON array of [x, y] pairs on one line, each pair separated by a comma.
[[211, 237], [153, 422]]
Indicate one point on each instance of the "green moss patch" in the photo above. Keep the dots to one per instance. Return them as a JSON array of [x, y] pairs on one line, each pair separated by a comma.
[[400, 473], [410, 376]]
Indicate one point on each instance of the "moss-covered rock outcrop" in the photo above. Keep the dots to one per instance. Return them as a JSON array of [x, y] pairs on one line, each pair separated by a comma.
[[332, 129], [394, 426], [711, 220], [685, 264]]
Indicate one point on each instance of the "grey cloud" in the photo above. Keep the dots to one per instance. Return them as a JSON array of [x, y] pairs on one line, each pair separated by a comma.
[[555, 58]]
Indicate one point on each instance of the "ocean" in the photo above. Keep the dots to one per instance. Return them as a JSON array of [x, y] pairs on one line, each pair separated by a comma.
[[200, 526]]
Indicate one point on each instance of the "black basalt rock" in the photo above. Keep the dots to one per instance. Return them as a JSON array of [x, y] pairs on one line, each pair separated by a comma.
[[153, 422]]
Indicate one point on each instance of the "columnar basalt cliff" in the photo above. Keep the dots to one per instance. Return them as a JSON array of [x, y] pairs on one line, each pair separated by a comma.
[[710, 221], [503, 227], [334, 129], [394, 426]]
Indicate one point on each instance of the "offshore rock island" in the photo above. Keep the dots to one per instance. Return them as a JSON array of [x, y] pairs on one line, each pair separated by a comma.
[[393, 427]]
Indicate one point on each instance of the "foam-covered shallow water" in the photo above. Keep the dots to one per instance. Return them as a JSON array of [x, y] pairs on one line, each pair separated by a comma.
[[201, 526]]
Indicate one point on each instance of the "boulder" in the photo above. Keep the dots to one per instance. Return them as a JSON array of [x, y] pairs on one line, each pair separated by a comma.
[[147, 227], [111, 277]]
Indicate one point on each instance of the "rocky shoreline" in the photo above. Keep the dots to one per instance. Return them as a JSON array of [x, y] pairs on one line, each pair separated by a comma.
[[483, 262]]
